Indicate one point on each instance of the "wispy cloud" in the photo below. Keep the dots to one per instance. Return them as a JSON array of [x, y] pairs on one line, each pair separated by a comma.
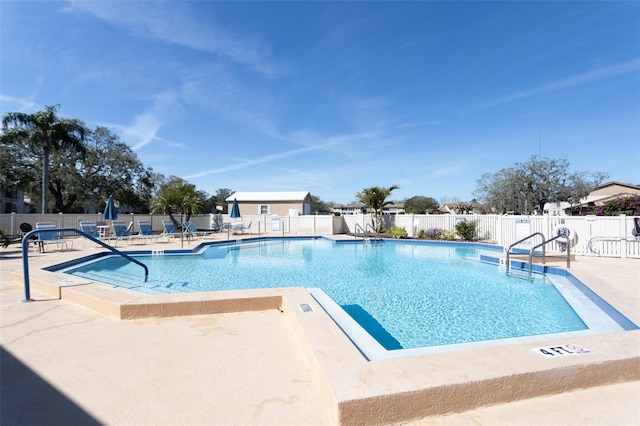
[[243, 164], [22, 104], [145, 126], [178, 23], [336, 144], [587, 77]]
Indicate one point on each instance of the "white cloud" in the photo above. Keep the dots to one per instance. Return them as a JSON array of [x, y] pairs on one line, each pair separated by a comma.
[[177, 23], [587, 77]]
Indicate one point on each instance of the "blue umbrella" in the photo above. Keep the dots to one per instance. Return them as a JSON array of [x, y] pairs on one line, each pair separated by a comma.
[[235, 210], [110, 212]]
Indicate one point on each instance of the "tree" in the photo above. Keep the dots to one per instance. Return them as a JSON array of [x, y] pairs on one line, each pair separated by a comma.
[[45, 132], [374, 199], [421, 205], [525, 187], [218, 200], [108, 167], [178, 196], [318, 206]]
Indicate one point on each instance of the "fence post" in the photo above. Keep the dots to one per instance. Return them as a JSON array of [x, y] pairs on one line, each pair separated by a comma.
[[623, 235]]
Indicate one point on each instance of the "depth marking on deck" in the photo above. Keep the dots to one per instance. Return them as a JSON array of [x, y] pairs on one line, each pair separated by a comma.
[[561, 350]]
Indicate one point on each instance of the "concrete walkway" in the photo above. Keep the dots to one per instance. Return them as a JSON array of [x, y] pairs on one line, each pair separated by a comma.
[[65, 364]]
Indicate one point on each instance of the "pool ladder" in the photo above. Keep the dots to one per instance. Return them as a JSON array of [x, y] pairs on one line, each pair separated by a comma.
[[368, 233], [532, 252]]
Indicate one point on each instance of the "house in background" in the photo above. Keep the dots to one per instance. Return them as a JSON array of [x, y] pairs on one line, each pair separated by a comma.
[[358, 208], [596, 198], [348, 209], [608, 191], [13, 200], [272, 203]]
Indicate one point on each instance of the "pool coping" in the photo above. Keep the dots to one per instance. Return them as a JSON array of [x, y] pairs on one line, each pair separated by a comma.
[[359, 391]]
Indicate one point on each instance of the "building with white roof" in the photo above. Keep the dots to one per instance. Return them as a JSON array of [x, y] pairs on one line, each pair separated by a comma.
[[287, 203]]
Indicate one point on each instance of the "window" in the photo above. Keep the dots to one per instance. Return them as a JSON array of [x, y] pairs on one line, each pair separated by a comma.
[[263, 209]]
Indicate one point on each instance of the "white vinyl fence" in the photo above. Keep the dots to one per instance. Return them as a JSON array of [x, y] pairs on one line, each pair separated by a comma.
[[609, 236]]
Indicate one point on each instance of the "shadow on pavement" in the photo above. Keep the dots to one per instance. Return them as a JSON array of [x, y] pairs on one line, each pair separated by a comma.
[[27, 399]]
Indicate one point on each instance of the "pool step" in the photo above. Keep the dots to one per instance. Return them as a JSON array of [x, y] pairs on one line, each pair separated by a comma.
[[125, 281]]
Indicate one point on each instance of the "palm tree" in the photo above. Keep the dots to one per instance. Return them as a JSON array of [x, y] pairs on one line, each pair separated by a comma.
[[191, 204], [182, 198], [375, 198], [44, 131]]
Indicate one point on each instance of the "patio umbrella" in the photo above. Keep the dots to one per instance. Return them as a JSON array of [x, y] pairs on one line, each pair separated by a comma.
[[110, 212], [235, 210]]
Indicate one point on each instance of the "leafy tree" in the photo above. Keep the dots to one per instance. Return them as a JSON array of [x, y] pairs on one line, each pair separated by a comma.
[[421, 205], [44, 132], [319, 206], [374, 199], [17, 165], [525, 187], [212, 203], [109, 167]]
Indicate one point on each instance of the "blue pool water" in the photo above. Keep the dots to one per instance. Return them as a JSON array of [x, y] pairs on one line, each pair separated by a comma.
[[404, 295]]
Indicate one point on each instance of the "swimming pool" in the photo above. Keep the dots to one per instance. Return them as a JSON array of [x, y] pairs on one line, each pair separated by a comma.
[[392, 297]]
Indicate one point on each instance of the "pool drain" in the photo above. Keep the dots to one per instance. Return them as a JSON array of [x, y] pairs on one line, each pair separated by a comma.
[[305, 307]]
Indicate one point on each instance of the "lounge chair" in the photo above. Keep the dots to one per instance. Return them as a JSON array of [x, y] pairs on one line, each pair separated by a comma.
[[91, 229], [46, 238], [170, 230], [146, 230], [192, 230], [5, 239], [121, 233]]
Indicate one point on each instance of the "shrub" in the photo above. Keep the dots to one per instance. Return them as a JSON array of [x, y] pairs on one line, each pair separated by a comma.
[[433, 233], [421, 234], [397, 232], [468, 231], [629, 206], [448, 235]]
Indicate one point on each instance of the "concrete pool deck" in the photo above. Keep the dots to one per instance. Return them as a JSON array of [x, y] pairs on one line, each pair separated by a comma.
[[74, 360]]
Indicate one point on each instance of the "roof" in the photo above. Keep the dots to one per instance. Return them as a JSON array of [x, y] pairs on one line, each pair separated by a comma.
[[615, 183], [269, 196]]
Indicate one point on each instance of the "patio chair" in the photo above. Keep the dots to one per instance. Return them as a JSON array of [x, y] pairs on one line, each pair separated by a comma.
[[192, 230], [218, 224], [170, 230], [146, 230], [91, 229], [121, 233], [247, 227], [46, 238]]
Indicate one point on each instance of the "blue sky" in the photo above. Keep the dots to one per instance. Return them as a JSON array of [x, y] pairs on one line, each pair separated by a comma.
[[334, 97]]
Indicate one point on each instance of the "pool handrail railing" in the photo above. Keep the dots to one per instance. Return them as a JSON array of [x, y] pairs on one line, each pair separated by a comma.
[[25, 255]]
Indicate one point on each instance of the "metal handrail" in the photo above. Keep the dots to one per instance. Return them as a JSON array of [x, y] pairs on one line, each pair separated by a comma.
[[521, 241], [542, 244], [25, 254], [365, 232], [373, 230]]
